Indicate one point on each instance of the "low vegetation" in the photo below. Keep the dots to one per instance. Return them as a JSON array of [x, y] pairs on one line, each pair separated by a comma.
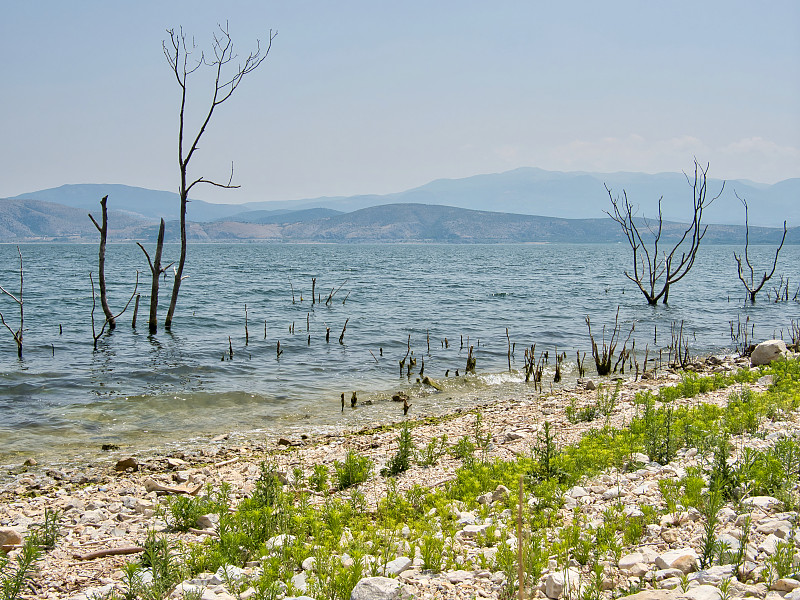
[[324, 517]]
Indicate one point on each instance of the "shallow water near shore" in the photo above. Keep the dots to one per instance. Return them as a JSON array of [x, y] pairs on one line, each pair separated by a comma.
[[63, 400]]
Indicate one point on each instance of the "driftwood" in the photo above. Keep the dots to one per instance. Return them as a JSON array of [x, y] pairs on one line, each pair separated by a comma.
[[151, 485], [110, 552]]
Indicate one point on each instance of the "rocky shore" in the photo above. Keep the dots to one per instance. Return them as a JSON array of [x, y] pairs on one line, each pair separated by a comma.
[[107, 511]]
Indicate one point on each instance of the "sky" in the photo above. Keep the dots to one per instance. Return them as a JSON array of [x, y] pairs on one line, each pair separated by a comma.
[[375, 97]]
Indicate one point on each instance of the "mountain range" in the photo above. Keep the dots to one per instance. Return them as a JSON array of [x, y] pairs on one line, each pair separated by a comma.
[[527, 205]]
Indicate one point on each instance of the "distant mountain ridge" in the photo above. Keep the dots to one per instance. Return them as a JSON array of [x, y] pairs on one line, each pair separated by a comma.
[[528, 191], [36, 221]]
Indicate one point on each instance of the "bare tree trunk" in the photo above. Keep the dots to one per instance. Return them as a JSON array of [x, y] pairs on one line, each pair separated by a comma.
[[101, 266], [653, 267], [156, 270], [17, 334], [176, 284], [750, 282], [178, 54]]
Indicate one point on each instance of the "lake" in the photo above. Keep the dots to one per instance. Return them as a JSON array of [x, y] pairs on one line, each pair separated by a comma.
[[64, 399]]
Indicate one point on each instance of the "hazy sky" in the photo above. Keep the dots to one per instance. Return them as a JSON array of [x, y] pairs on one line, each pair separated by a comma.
[[377, 97]]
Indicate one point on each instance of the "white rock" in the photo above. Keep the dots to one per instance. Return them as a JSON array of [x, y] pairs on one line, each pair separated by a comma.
[[663, 574], [398, 565], [713, 575], [684, 559], [379, 588], [785, 585], [670, 583], [633, 511], [466, 518], [702, 592], [471, 531], [729, 542], [767, 351], [500, 493], [309, 563], [279, 541], [627, 561], [577, 492], [768, 526], [770, 544], [563, 582], [793, 595], [299, 582], [767, 503], [485, 498], [9, 537], [726, 514], [233, 572], [456, 577]]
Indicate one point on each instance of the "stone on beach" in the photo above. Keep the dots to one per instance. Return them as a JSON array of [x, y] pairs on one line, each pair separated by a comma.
[[767, 351], [380, 588]]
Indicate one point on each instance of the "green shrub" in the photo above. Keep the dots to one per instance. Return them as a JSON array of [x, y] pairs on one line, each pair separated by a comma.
[[353, 470], [401, 460], [14, 577], [464, 449], [318, 480], [433, 451]]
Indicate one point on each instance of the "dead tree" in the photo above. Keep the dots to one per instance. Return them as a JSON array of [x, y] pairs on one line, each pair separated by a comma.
[[226, 80], [749, 282], [156, 270], [101, 267], [18, 299], [107, 322], [654, 269]]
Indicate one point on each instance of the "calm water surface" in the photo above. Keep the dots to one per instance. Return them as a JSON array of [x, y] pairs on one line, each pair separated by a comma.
[[64, 399]]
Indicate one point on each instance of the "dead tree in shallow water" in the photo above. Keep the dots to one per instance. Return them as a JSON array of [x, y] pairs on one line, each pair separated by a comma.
[[101, 266], [334, 291], [156, 270], [471, 362], [178, 54], [18, 333], [654, 268], [107, 321], [749, 282]]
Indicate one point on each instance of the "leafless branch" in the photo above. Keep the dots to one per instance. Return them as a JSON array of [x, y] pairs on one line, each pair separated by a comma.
[[749, 284]]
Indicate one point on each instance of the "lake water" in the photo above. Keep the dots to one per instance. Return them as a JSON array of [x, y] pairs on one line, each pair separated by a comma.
[[64, 399]]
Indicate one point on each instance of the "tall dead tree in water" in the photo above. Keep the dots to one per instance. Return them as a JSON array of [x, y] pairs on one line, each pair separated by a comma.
[[654, 269], [749, 282], [226, 79], [18, 299], [156, 270], [101, 264]]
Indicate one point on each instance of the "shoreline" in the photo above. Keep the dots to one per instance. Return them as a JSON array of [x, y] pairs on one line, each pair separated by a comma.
[[104, 508]]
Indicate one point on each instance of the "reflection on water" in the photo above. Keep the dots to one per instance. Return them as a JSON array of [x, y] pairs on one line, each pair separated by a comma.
[[66, 399]]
